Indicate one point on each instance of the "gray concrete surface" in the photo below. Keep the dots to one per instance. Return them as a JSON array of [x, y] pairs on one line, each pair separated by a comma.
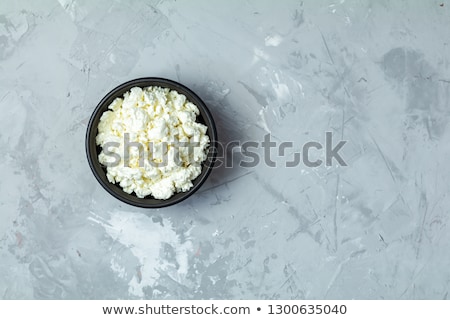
[[374, 73]]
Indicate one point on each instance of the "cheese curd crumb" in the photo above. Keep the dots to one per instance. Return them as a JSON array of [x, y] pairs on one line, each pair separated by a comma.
[[166, 145]]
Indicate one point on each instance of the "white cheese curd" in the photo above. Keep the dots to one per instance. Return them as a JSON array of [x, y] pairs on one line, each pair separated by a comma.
[[163, 122]]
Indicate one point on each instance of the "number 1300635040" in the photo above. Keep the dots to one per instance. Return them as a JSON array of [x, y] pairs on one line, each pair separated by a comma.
[[307, 309]]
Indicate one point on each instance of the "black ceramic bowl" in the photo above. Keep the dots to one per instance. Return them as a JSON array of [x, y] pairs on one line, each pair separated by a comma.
[[93, 150]]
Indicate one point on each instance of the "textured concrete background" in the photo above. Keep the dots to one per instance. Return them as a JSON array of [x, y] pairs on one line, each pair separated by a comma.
[[375, 73]]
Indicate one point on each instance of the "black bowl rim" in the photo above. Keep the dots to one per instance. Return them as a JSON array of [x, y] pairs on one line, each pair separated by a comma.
[[142, 83]]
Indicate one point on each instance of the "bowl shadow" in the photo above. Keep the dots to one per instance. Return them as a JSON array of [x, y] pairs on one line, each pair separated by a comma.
[[226, 168]]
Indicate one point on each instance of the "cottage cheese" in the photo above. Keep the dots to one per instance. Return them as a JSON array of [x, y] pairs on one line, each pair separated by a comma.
[[163, 122]]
